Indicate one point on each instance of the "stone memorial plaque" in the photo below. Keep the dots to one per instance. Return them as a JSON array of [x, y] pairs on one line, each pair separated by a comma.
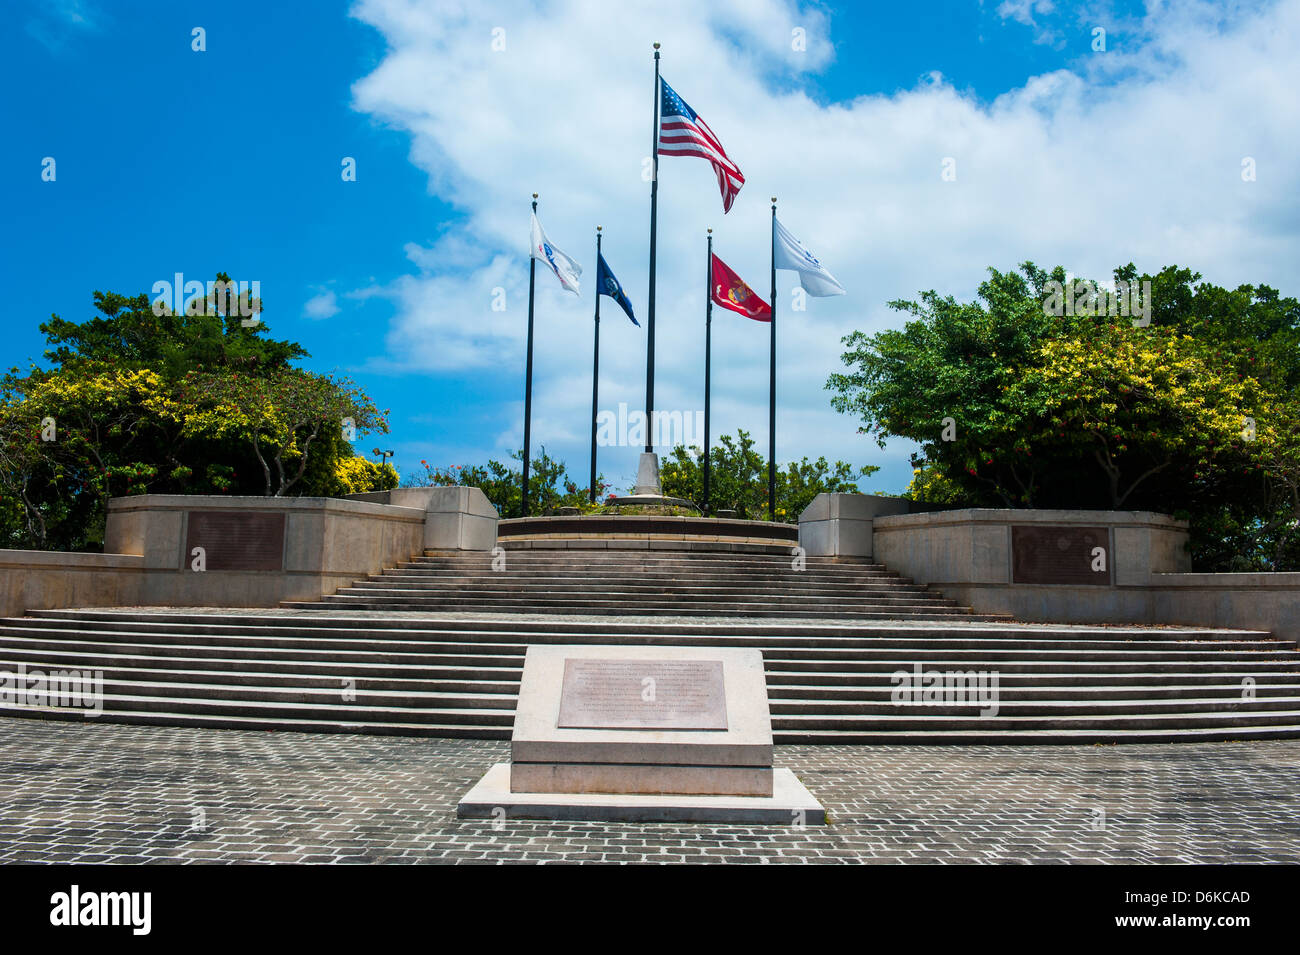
[[1058, 555], [643, 694], [236, 540]]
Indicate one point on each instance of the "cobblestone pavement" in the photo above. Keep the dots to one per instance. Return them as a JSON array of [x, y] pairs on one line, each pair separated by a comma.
[[89, 792]]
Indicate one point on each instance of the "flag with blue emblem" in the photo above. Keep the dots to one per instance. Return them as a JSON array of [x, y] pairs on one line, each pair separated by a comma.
[[565, 269], [606, 284], [788, 253]]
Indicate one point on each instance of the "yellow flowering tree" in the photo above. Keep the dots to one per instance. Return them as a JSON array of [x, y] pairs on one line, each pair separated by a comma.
[[280, 417], [357, 475], [1015, 403], [135, 400]]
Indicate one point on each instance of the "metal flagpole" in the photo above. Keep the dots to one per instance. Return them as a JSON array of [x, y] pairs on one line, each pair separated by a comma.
[[528, 373], [650, 302], [595, 373], [708, 343], [771, 408]]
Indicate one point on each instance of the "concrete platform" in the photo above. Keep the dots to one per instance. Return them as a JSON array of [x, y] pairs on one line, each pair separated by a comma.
[[790, 804]]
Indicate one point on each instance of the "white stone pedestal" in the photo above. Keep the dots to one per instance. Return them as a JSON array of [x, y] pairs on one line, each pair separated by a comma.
[[647, 475], [643, 733]]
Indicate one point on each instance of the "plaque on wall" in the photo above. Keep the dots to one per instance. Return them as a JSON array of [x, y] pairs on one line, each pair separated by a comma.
[[1059, 555], [235, 540], [643, 694]]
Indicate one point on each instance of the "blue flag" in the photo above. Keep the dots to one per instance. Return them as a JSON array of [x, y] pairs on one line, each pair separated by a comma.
[[606, 284]]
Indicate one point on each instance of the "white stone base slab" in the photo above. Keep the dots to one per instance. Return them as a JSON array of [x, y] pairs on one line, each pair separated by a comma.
[[790, 804]]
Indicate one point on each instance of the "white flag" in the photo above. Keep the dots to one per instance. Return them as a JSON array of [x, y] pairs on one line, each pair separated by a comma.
[[790, 254], [565, 269]]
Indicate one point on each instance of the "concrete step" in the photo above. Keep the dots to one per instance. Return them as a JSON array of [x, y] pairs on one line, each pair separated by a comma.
[[618, 591], [320, 709], [893, 736], [551, 585], [929, 654], [916, 719], [435, 647], [595, 607], [420, 635], [737, 601], [1013, 736], [832, 713], [299, 623]]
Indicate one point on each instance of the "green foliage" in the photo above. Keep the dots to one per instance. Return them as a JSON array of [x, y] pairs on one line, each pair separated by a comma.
[[549, 485], [128, 333], [738, 479], [137, 402], [1015, 407]]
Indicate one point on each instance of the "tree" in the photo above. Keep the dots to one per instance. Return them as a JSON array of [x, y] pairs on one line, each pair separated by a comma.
[[279, 415], [129, 333], [1015, 406], [136, 401], [738, 479], [549, 486]]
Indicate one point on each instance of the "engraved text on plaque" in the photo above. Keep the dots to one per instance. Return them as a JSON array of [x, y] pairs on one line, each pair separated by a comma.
[[643, 694], [1058, 555]]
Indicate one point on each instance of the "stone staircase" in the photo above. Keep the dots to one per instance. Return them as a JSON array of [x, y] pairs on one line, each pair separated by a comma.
[[643, 582], [435, 647]]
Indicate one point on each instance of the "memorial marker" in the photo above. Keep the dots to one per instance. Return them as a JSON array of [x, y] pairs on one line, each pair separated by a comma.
[[636, 733], [643, 694], [1058, 555]]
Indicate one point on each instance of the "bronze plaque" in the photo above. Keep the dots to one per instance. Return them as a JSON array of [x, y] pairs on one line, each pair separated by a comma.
[[643, 694], [1058, 555], [235, 540]]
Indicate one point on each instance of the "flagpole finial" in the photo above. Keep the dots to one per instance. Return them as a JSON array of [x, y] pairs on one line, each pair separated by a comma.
[[534, 195], [774, 200], [597, 228], [656, 46], [710, 232]]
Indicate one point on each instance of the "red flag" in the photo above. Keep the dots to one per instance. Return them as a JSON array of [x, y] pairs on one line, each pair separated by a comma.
[[731, 292]]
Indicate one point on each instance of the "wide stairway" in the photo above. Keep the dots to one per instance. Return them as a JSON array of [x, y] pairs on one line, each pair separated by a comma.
[[436, 647], [647, 583]]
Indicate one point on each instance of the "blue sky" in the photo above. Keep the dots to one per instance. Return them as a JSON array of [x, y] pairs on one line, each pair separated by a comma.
[[171, 160]]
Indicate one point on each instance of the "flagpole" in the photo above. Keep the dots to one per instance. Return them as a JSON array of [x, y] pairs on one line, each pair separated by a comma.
[[650, 303], [595, 373], [528, 372], [708, 343], [771, 406]]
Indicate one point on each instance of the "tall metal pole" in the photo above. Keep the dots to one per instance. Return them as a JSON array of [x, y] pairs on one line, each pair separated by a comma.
[[771, 408], [708, 343], [528, 372], [595, 373], [650, 300]]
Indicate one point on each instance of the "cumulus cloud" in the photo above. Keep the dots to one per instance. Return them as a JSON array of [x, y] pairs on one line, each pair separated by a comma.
[[1133, 154], [324, 304]]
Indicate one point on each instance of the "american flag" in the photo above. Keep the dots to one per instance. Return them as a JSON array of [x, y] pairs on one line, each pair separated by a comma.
[[683, 133]]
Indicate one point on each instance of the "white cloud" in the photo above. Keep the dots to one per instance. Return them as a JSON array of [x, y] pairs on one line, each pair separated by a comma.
[[323, 304], [56, 23], [1133, 154]]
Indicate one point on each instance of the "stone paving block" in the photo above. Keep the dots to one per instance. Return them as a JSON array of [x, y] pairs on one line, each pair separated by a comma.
[[90, 792]]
